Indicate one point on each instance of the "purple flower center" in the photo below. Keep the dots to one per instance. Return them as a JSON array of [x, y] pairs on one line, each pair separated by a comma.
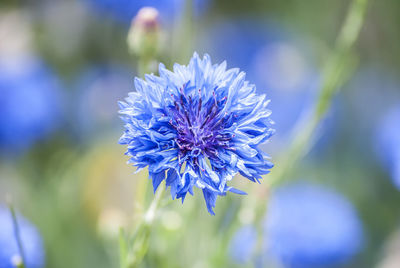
[[199, 125]]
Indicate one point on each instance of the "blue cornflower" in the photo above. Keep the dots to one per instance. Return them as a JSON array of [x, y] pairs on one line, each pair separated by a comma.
[[309, 226], [30, 103], [389, 143], [197, 126], [31, 242]]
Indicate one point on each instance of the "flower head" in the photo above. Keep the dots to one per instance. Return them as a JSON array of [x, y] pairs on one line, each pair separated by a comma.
[[197, 126], [309, 226]]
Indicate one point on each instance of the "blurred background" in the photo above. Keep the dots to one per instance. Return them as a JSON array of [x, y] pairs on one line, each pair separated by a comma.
[[65, 64]]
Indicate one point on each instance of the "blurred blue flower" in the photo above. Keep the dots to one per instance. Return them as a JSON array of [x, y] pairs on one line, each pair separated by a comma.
[[309, 226], [276, 60], [98, 88], [371, 82], [243, 244], [31, 241], [30, 103], [381, 86], [201, 124], [125, 10], [389, 143]]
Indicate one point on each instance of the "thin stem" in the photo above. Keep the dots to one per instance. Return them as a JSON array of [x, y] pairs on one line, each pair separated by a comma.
[[340, 64], [133, 252], [21, 261], [338, 68], [144, 64], [123, 249], [151, 212]]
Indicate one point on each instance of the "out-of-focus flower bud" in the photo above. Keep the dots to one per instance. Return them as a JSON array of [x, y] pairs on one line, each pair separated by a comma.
[[144, 34]]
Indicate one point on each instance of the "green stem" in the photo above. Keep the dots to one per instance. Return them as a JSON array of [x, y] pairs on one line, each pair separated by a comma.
[[340, 64], [20, 263], [144, 66], [338, 68], [133, 252], [151, 212], [123, 249]]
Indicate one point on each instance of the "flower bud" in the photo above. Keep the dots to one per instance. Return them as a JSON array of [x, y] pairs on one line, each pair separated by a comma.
[[144, 34]]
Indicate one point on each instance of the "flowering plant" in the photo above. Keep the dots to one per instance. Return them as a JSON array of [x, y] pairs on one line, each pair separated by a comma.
[[197, 126]]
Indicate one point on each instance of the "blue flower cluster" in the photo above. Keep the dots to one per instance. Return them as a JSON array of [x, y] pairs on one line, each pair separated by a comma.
[[31, 242], [389, 143], [30, 103], [309, 226], [197, 126]]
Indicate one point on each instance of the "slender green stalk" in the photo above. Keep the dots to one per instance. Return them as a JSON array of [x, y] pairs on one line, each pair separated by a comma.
[[133, 251], [339, 66], [123, 249], [20, 263], [143, 66]]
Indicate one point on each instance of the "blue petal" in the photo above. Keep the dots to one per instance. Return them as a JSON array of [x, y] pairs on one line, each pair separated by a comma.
[[157, 178], [211, 199]]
